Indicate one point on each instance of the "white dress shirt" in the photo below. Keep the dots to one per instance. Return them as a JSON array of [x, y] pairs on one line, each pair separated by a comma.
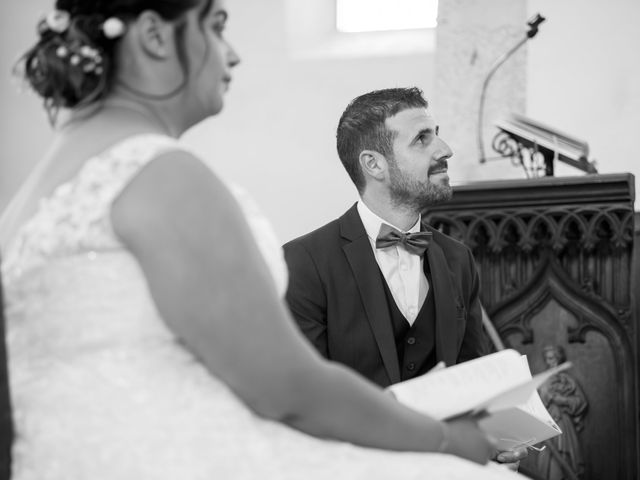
[[402, 270]]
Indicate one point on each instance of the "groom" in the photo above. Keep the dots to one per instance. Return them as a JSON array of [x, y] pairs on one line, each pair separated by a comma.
[[377, 289]]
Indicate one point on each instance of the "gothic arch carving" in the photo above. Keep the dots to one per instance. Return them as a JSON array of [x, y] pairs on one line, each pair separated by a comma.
[[563, 247]]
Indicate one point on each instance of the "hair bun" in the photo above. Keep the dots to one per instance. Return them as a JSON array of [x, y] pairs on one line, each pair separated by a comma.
[[70, 65]]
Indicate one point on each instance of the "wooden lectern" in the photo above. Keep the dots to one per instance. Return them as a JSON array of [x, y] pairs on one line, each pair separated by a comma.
[[559, 278]]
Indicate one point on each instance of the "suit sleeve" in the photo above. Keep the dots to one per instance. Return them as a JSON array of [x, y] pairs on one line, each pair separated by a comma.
[[306, 296], [476, 341]]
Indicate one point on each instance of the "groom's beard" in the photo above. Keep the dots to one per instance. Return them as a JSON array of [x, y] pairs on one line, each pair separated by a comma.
[[414, 194]]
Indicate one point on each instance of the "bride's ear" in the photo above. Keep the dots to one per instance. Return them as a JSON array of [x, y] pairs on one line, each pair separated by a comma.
[[154, 35]]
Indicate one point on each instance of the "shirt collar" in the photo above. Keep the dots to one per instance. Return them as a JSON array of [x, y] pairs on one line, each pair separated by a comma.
[[372, 222]]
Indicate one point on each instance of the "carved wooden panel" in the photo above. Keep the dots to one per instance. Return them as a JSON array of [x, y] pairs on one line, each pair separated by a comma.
[[555, 258]]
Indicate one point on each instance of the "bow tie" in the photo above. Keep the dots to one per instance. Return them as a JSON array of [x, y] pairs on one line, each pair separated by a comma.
[[415, 243]]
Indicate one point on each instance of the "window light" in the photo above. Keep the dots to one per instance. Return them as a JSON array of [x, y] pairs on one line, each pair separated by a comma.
[[378, 15]]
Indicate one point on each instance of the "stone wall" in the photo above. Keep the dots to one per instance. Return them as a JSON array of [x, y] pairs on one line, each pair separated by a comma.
[[471, 36]]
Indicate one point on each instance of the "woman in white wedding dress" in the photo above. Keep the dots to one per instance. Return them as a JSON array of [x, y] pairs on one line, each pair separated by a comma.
[[146, 334]]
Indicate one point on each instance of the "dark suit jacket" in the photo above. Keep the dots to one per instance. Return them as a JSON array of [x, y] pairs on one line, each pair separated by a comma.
[[337, 297]]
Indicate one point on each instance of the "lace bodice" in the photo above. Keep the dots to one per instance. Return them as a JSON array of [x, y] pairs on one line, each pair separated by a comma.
[[75, 219]]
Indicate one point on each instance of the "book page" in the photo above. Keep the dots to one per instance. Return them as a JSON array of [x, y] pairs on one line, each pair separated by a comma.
[[521, 393], [534, 406], [514, 427], [458, 389], [528, 423], [498, 388]]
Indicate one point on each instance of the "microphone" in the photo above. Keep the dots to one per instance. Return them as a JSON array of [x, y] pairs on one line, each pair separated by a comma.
[[533, 24]]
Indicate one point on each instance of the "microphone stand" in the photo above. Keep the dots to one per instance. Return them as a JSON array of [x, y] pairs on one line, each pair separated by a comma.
[[533, 24]]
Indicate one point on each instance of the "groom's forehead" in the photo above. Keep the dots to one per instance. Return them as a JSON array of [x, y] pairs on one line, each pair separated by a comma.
[[411, 120]]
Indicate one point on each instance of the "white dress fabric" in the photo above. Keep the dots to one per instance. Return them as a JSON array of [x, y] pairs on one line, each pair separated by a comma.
[[102, 390]]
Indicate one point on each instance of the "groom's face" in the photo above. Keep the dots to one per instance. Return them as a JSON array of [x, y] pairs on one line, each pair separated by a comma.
[[418, 168]]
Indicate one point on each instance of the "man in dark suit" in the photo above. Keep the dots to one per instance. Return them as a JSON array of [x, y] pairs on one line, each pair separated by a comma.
[[377, 289]]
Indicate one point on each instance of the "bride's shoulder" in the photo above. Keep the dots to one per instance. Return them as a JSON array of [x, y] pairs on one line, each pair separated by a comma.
[[115, 167], [158, 176], [80, 176], [137, 149]]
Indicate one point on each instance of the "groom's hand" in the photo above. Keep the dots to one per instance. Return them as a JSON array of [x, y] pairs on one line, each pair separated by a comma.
[[511, 458]]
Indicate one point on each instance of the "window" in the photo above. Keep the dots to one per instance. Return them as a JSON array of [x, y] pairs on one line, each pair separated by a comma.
[[381, 15], [312, 31]]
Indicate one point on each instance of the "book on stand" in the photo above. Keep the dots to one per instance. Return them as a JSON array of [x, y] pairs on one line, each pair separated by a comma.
[[497, 389]]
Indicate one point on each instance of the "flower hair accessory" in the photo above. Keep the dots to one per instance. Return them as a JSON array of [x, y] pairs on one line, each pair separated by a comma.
[[82, 56], [58, 21], [113, 27]]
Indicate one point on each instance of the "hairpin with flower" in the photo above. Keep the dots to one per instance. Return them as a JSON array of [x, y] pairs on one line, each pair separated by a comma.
[[82, 56], [58, 21], [113, 27], [78, 54]]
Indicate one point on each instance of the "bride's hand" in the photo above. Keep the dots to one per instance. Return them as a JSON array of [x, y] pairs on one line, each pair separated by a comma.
[[466, 440]]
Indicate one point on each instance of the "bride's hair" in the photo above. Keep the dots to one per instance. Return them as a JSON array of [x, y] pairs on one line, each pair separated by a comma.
[[72, 63]]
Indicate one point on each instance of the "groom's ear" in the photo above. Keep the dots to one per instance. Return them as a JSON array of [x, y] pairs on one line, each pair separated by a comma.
[[373, 164]]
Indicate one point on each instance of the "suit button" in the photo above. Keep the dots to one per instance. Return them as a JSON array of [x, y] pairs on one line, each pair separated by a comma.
[[411, 366], [411, 340]]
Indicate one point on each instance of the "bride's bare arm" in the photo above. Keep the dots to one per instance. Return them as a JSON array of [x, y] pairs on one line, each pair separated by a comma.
[[213, 289]]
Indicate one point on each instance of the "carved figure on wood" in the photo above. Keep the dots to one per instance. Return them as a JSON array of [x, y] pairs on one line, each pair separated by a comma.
[[567, 404]]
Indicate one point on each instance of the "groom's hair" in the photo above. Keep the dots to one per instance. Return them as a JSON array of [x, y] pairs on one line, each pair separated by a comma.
[[362, 126]]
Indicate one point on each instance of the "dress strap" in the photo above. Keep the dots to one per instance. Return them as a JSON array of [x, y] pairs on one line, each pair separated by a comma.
[[111, 171], [76, 218]]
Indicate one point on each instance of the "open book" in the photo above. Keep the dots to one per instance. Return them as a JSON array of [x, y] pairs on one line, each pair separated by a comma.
[[498, 389]]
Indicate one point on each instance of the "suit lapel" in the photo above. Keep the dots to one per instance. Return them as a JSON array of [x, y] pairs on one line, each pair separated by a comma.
[[444, 296], [367, 276]]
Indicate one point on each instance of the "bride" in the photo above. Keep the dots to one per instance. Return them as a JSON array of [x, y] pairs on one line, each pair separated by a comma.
[[146, 333]]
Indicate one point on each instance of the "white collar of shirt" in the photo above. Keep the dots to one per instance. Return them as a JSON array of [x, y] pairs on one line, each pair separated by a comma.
[[372, 222], [402, 270]]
